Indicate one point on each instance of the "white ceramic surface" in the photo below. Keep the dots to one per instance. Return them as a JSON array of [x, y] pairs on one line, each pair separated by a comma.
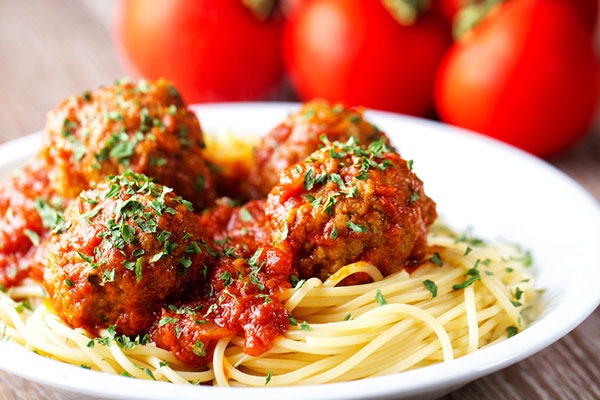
[[496, 190]]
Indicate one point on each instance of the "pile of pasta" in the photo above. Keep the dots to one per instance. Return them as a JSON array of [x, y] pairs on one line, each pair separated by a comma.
[[468, 294]]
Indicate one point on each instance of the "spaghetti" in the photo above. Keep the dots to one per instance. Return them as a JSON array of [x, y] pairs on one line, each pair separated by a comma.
[[466, 295]]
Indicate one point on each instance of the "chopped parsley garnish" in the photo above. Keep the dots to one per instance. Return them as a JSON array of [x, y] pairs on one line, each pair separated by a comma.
[[51, 218], [511, 331], [379, 298], [473, 275], [334, 233], [518, 293], [304, 326], [413, 197], [356, 228], [149, 373], [33, 237], [292, 320], [185, 262], [336, 178], [245, 215], [436, 259], [285, 231], [431, 286], [167, 320], [309, 179], [199, 349], [226, 278], [268, 378], [108, 276]]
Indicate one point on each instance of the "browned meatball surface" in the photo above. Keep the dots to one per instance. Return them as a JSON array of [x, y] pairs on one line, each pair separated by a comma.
[[300, 134], [347, 203], [143, 127], [122, 251]]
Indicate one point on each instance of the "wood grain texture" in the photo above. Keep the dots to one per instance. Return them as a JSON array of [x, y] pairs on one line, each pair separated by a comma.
[[51, 49]]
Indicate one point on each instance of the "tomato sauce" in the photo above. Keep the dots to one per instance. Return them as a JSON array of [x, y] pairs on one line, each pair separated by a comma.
[[240, 298], [22, 230]]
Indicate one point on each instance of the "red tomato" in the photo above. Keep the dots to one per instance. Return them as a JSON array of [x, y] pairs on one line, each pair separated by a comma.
[[449, 8], [357, 53], [525, 75], [587, 10], [213, 50]]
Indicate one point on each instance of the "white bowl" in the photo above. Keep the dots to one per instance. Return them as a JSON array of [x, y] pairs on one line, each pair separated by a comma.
[[497, 190]]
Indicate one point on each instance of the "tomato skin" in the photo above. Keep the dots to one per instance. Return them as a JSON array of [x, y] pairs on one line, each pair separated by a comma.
[[449, 8], [212, 50], [587, 11], [525, 75], [356, 53]]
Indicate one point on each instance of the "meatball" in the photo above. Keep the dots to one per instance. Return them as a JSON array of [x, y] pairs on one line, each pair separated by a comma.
[[122, 251], [347, 203], [143, 127], [300, 134]]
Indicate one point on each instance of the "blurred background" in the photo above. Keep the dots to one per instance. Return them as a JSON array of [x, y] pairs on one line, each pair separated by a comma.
[[541, 93]]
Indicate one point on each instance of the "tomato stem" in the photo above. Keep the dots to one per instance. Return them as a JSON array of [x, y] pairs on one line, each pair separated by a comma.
[[406, 12], [471, 14], [261, 9]]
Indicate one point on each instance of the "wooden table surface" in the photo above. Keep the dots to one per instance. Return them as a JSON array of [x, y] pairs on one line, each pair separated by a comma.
[[51, 49]]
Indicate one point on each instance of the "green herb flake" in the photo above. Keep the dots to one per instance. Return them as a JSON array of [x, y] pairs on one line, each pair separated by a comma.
[[157, 256], [334, 233], [108, 276], [292, 320], [511, 331], [330, 203], [138, 270], [304, 326], [436, 259], [245, 214], [431, 286], [167, 321], [226, 278], [185, 262], [413, 197], [518, 293], [356, 228], [86, 258], [199, 349], [379, 298], [309, 179], [149, 373], [337, 179], [268, 378], [33, 237]]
